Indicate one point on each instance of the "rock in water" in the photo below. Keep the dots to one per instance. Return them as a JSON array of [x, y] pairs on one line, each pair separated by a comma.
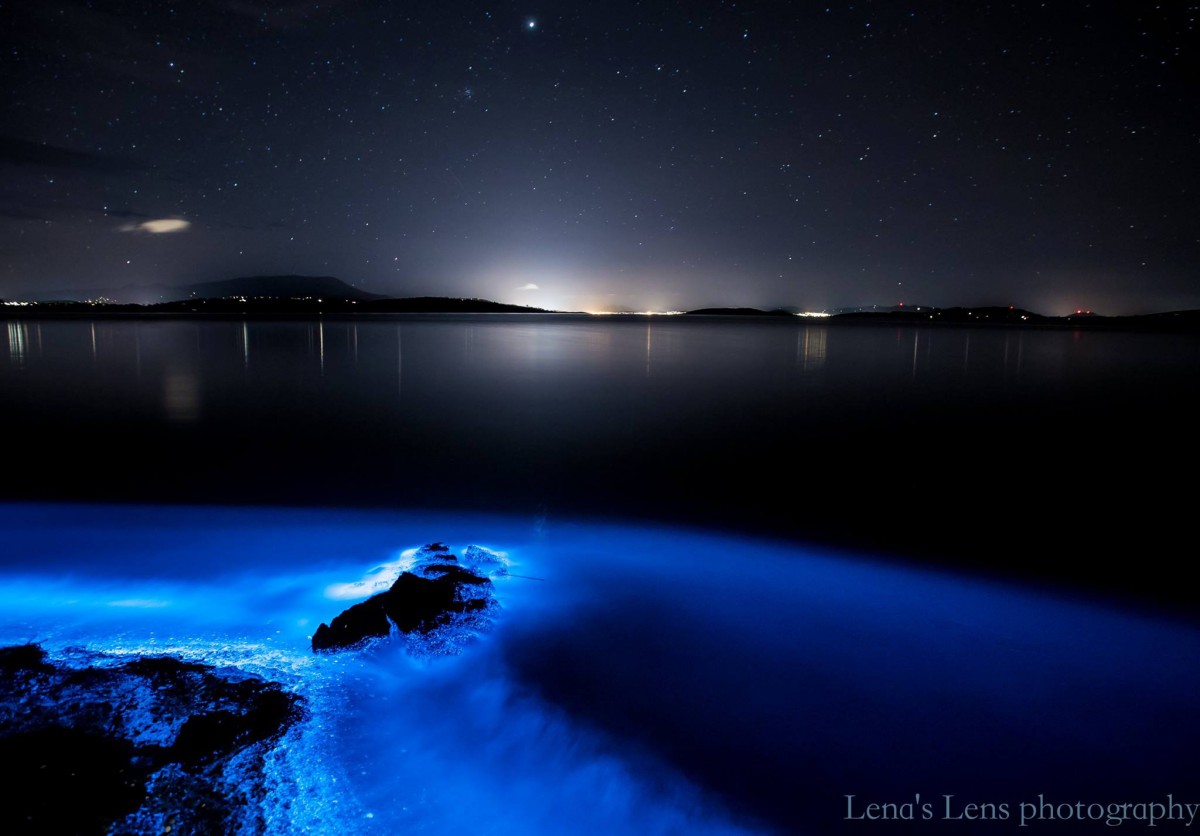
[[144, 746], [438, 593]]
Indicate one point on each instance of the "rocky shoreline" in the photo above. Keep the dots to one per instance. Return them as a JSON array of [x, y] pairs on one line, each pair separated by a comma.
[[95, 744]]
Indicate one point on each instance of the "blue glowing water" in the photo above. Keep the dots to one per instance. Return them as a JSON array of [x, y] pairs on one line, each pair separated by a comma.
[[652, 680], [658, 677]]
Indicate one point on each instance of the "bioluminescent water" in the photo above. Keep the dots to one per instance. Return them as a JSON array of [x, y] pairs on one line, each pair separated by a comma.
[[1018, 449], [638, 679], [660, 665]]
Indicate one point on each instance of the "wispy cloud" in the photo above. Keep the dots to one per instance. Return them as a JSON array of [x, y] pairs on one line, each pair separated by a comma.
[[158, 226], [528, 286]]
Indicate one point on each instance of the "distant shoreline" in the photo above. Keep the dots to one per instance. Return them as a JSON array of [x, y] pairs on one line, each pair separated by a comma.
[[226, 309]]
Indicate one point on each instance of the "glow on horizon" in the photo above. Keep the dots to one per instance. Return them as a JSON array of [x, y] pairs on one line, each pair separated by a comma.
[[634, 313]]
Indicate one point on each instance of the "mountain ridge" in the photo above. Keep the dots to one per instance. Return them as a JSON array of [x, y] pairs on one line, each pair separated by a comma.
[[284, 286]]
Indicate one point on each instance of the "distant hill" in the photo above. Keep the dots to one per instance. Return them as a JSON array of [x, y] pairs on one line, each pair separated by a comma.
[[317, 295], [1189, 319], [236, 305], [737, 312], [442, 304], [277, 287], [272, 287], [330, 304], [995, 315], [979, 315]]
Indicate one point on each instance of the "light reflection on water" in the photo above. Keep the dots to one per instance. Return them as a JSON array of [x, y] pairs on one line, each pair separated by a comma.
[[656, 680], [720, 351], [18, 337], [659, 679], [587, 416]]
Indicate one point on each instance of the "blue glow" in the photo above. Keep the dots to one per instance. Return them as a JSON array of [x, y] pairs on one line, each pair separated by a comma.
[[651, 680]]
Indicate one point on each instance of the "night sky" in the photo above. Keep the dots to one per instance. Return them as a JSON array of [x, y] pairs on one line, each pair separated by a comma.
[[593, 155]]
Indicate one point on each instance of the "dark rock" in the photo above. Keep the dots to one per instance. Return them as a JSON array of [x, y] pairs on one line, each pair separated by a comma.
[[24, 657], [166, 668], [97, 736], [433, 600], [436, 570], [413, 604], [357, 624], [65, 780], [206, 737]]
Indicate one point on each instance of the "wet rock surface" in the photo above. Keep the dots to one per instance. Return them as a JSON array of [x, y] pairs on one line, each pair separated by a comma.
[[438, 596], [96, 744]]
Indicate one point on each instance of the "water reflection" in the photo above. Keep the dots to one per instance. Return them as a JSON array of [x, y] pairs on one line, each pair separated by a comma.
[[595, 414], [578, 365], [916, 348], [582, 356], [810, 349], [181, 396], [321, 344], [1010, 351], [18, 339], [648, 334]]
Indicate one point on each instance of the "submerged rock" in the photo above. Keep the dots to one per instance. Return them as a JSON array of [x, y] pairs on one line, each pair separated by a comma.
[[144, 746], [436, 596]]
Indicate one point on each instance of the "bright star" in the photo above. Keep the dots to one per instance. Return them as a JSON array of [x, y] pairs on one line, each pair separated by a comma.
[[530, 24]]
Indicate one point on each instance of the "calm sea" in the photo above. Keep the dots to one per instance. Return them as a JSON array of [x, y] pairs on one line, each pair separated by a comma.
[[778, 564], [969, 446]]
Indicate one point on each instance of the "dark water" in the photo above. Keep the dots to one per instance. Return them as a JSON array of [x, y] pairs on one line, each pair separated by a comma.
[[980, 446], [693, 658]]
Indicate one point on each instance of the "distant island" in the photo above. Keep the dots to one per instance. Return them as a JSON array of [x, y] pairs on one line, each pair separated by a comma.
[[1001, 315], [981, 315], [289, 295], [738, 312], [289, 287], [265, 295]]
